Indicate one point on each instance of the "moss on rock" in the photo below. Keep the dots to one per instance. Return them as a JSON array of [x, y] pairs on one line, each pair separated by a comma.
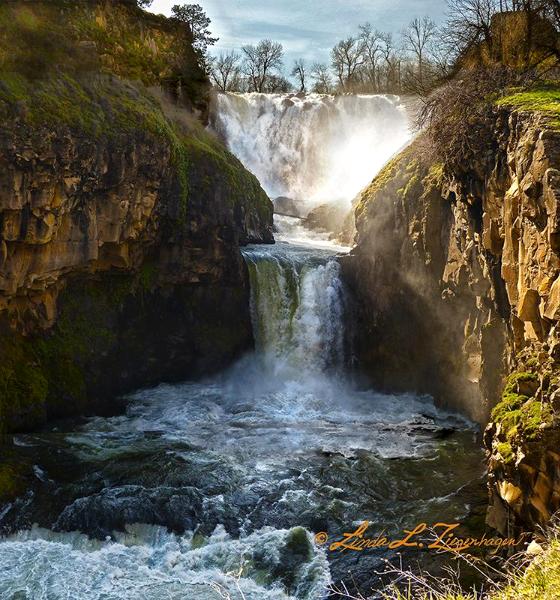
[[23, 385], [544, 99], [521, 416]]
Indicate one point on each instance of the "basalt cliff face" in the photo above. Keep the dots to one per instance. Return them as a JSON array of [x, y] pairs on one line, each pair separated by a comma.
[[121, 220], [456, 276]]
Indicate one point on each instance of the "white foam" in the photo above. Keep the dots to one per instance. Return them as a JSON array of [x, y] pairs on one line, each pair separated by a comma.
[[314, 149], [148, 562]]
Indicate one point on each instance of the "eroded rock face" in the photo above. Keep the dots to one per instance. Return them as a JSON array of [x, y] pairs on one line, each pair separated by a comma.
[[333, 219], [458, 277], [119, 265]]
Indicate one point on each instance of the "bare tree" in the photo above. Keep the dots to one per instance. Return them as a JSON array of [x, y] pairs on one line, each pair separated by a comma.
[[226, 71], [276, 84], [261, 61], [300, 73], [321, 76], [417, 37], [372, 48], [470, 24], [392, 60], [347, 57]]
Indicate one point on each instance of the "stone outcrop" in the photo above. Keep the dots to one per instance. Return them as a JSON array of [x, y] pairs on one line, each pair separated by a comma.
[[456, 280], [121, 220]]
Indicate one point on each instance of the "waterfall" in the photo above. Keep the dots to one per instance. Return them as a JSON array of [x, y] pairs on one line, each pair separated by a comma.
[[297, 305], [313, 149]]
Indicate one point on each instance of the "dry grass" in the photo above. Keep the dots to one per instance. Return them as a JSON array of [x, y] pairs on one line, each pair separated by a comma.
[[522, 577]]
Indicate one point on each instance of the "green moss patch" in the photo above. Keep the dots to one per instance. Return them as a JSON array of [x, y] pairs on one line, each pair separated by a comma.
[[541, 579], [506, 451], [519, 414], [23, 385], [544, 99]]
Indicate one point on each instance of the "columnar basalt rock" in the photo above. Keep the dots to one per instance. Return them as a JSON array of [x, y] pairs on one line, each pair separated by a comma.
[[458, 276]]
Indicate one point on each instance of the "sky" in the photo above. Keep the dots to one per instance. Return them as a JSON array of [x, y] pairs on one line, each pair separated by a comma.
[[307, 29]]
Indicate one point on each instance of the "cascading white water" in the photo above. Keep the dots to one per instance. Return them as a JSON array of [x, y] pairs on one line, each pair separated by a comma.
[[313, 149], [297, 306], [246, 466]]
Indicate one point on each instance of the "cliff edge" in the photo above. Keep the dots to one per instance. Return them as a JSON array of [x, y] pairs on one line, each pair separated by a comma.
[[121, 217], [456, 275]]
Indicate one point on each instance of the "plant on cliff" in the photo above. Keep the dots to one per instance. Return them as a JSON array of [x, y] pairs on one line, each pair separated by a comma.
[[528, 577], [520, 415], [459, 116], [493, 46], [198, 22], [543, 98], [42, 38]]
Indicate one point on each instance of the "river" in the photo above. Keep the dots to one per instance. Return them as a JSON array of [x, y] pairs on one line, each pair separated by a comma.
[[217, 488]]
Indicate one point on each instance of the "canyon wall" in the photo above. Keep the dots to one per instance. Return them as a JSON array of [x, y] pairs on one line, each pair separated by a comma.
[[456, 280], [121, 218]]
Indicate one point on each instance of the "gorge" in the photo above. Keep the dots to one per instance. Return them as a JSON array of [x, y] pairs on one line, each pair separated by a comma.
[[193, 389], [238, 470]]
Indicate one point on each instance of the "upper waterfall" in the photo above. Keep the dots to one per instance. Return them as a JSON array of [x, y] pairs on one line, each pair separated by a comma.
[[312, 148]]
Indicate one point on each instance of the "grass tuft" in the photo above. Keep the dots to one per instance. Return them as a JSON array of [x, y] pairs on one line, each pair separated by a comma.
[[544, 99]]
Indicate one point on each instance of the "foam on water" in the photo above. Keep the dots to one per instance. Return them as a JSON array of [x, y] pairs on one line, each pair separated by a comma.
[[312, 148], [148, 562]]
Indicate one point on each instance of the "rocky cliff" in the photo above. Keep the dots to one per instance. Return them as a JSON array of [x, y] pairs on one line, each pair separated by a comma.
[[121, 218], [456, 275]]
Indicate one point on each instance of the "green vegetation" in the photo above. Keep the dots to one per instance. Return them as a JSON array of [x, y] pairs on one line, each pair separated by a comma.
[[544, 98], [11, 481], [506, 451], [540, 579], [100, 108], [45, 37], [23, 386], [216, 162], [45, 373], [103, 107], [435, 175], [518, 413], [389, 173]]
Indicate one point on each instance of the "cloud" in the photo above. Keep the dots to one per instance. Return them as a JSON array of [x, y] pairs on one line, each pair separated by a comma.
[[307, 29]]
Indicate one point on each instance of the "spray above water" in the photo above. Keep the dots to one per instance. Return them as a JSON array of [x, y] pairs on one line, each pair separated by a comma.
[[246, 466], [314, 149]]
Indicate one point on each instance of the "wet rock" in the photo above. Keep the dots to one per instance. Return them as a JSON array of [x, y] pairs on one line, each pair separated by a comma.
[[110, 510], [332, 218], [287, 206], [456, 280]]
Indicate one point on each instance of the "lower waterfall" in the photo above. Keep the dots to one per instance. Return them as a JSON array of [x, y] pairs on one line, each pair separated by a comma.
[[297, 302], [229, 487]]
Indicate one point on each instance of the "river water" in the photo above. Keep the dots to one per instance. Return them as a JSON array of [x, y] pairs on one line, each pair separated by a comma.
[[217, 488]]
